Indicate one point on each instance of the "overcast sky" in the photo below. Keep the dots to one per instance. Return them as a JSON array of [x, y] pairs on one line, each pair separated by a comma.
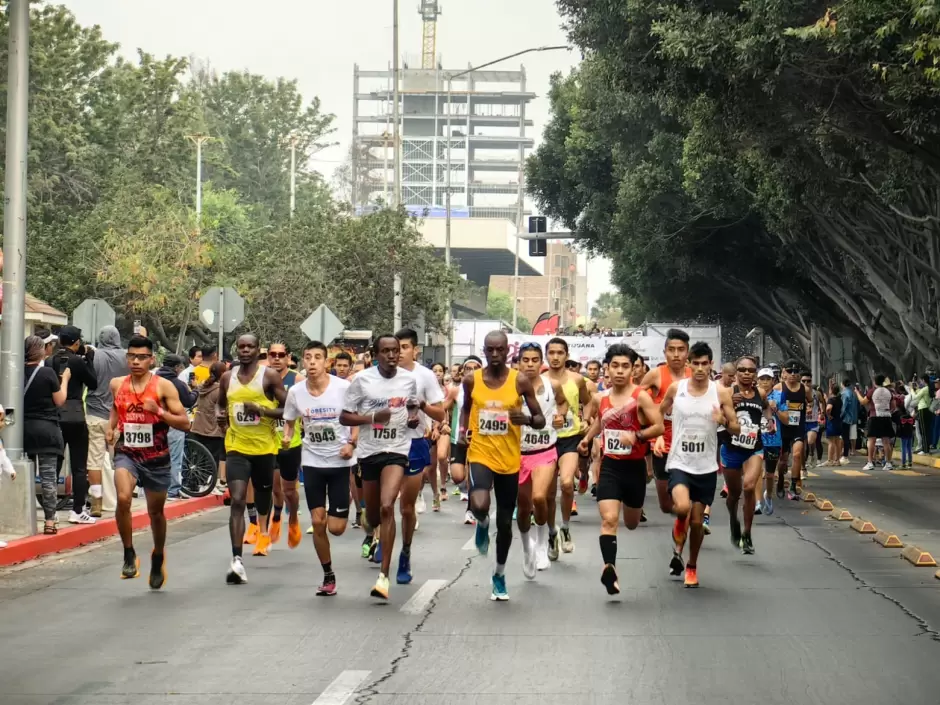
[[318, 41]]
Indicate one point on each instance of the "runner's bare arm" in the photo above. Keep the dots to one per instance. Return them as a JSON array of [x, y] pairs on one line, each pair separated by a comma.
[[435, 411], [113, 416], [527, 392], [350, 415], [221, 404], [173, 414], [584, 394], [727, 409], [651, 380], [561, 407], [274, 389], [665, 408], [649, 412]]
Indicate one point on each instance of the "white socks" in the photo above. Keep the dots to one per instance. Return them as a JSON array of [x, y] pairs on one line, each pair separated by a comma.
[[95, 491]]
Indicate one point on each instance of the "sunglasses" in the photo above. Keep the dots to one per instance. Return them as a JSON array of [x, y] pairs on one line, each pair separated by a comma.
[[530, 346], [791, 370], [140, 357], [277, 355], [747, 370]]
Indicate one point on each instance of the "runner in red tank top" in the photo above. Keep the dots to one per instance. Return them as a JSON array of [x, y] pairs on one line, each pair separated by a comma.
[[627, 420], [145, 407]]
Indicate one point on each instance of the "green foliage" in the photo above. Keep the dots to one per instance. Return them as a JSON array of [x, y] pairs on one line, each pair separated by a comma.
[[499, 306]]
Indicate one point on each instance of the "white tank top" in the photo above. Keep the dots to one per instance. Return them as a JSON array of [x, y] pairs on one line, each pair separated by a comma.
[[694, 433], [537, 440]]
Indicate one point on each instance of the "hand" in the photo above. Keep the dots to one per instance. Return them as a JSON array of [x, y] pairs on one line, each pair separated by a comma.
[[151, 406], [346, 452], [659, 446], [583, 446], [717, 416], [558, 421], [109, 437], [382, 416], [66, 375], [462, 439], [628, 438], [518, 417], [435, 434], [413, 421], [737, 398], [773, 404], [285, 442], [252, 408]]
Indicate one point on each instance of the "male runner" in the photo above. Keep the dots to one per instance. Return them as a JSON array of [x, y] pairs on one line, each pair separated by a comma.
[[251, 398], [742, 454], [627, 419], [576, 393], [698, 406], [342, 365], [145, 408], [770, 436], [492, 414], [431, 398], [458, 460], [539, 462], [287, 467], [385, 399], [791, 415], [328, 452]]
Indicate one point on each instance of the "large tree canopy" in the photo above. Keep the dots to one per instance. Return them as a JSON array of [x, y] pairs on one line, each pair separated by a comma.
[[112, 196], [776, 161]]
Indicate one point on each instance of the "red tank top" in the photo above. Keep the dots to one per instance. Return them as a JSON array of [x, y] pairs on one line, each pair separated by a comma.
[[614, 420], [665, 380], [143, 434]]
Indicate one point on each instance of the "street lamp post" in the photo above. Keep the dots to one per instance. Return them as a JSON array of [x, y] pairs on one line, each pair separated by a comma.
[[450, 87], [198, 139], [396, 132]]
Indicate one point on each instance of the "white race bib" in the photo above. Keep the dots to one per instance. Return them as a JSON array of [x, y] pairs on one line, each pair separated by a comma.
[[494, 422], [320, 434], [138, 435], [613, 444], [535, 440], [244, 418], [747, 438], [385, 433], [569, 422], [692, 443], [793, 418]]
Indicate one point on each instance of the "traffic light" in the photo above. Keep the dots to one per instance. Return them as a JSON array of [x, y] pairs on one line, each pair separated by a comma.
[[539, 246]]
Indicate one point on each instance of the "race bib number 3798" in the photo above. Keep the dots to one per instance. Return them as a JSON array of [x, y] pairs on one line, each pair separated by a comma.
[[138, 435]]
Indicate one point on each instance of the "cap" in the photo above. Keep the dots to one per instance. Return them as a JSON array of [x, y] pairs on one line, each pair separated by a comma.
[[69, 335], [46, 335], [765, 372]]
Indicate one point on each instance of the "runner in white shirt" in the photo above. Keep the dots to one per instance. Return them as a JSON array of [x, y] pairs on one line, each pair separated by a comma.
[[431, 397], [385, 399], [698, 406], [328, 451]]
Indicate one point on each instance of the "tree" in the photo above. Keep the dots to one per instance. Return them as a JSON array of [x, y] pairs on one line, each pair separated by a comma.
[[499, 307], [608, 311]]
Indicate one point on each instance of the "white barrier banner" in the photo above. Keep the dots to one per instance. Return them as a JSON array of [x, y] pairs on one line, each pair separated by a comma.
[[584, 349]]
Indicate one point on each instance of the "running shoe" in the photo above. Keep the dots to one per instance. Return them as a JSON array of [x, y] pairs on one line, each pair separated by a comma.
[[676, 565], [327, 589], [554, 546], [236, 572], [420, 505], [643, 518], [404, 569], [380, 589], [593, 490], [468, 518], [541, 557], [609, 578], [252, 533], [845, 461], [294, 535], [567, 545], [310, 530], [574, 508], [868, 466], [482, 538], [680, 530], [735, 526], [356, 524], [768, 504], [583, 483], [377, 556], [758, 508], [705, 524], [888, 466], [436, 503], [456, 492], [691, 576], [83, 518], [366, 547], [464, 497], [747, 545], [131, 569], [274, 530], [157, 571], [499, 593], [443, 494], [724, 491], [528, 558], [263, 545]]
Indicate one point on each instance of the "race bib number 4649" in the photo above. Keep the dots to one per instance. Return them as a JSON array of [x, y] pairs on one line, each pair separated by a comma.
[[535, 439], [494, 422]]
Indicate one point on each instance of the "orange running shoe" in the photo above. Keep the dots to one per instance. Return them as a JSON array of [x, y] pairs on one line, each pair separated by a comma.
[[252, 533], [574, 508], [691, 576], [294, 534], [263, 545], [274, 530]]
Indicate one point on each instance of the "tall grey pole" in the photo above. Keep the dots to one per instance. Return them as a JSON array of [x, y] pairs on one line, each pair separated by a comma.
[[520, 207], [293, 174], [449, 312], [221, 323], [198, 139], [12, 333], [396, 131]]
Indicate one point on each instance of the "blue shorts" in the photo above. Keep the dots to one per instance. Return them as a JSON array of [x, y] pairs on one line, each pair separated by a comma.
[[419, 457], [811, 427], [733, 458], [834, 428]]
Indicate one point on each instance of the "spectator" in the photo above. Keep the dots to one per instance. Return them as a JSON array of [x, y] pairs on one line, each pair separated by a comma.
[[110, 361], [74, 356], [206, 429], [906, 434], [42, 436], [924, 416], [171, 368], [49, 340], [880, 402], [849, 418], [834, 426], [195, 357], [210, 354]]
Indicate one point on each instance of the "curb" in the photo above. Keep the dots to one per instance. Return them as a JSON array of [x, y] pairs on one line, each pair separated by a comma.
[[927, 461], [30, 547]]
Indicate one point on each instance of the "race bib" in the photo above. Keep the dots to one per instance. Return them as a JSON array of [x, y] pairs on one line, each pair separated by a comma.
[[320, 434], [692, 443], [765, 425], [747, 438], [533, 440], [494, 422], [793, 418], [244, 418], [138, 435], [385, 433], [613, 444], [279, 425], [569, 422]]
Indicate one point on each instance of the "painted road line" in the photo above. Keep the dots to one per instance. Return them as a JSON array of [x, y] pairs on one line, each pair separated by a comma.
[[471, 544], [419, 601], [340, 690], [851, 473], [807, 473], [908, 473]]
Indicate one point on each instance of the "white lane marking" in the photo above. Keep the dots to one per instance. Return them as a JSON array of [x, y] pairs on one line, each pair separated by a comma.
[[471, 544], [345, 684], [419, 601]]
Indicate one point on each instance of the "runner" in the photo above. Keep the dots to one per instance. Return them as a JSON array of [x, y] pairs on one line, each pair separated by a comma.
[[770, 436], [539, 464], [627, 419], [251, 397], [791, 414], [577, 395], [698, 406], [385, 399], [492, 415], [431, 398], [328, 452], [287, 467], [440, 436], [742, 454], [458, 460], [342, 365], [145, 408], [814, 417]]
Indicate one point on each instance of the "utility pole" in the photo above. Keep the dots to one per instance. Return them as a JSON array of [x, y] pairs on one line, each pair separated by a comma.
[[18, 507], [396, 132], [293, 173], [198, 139]]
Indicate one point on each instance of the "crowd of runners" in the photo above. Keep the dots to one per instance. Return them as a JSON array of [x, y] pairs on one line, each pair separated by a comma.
[[366, 438]]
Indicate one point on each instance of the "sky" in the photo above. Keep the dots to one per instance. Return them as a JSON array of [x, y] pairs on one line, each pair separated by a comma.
[[318, 41]]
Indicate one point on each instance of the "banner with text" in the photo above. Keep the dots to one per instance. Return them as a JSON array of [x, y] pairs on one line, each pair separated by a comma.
[[584, 349]]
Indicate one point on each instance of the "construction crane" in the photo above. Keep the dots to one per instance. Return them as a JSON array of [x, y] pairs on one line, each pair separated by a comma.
[[429, 12]]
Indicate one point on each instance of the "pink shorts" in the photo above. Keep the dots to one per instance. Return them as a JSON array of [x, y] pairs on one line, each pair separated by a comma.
[[531, 461]]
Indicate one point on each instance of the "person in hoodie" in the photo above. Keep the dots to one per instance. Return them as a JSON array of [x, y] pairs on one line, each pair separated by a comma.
[[206, 429], [170, 370], [110, 361]]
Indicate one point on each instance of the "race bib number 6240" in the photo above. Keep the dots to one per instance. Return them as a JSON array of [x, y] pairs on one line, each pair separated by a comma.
[[613, 445]]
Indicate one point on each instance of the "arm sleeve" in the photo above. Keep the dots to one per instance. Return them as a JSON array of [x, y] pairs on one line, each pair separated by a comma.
[[187, 397], [83, 371]]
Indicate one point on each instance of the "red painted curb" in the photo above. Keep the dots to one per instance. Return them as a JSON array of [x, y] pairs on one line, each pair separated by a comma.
[[26, 549]]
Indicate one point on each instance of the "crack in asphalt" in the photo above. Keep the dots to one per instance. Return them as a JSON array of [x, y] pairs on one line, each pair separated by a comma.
[[366, 693], [922, 623]]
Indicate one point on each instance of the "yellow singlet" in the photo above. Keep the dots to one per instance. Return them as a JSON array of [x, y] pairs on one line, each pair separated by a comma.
[[572, 425], [494, 441], [290, 379], [249, 434]]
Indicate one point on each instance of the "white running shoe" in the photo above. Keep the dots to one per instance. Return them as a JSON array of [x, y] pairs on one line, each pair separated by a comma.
[[869, 466], [83, 518], [464, 497], [541, 557], [3, 544], [843, 460], [888, 466], [528, 558], [236, 572], [468, 518], [420, 505]]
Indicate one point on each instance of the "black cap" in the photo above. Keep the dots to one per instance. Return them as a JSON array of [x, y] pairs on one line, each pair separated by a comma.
[[173, 360], [69, 335]]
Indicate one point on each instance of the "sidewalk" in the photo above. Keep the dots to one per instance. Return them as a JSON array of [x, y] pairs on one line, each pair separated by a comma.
[[72, 536]]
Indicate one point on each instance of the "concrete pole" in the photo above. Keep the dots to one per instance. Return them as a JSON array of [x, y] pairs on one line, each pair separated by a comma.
[[293, 174], [520, 207], [396, 131], [17, 503], [449, 323]]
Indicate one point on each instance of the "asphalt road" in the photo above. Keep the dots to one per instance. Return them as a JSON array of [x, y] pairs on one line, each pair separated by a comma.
[[819, 615]]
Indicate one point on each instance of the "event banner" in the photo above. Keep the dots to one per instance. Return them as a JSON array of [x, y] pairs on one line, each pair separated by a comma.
[[584, 349]]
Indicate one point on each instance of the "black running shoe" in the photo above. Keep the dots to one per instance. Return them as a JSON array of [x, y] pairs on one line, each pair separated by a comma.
[[131, 568], [609, 578], [747, 545], [643, 518], [676, 565], [157, 571], [735, 532]]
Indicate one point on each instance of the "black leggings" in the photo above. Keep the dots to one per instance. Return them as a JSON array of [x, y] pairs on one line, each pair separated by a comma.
[[506, 487], [257, 468], [925, 422], [75, 436]]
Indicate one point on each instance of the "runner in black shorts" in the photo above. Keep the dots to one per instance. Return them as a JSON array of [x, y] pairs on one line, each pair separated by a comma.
[[791, 415], [287, 463]]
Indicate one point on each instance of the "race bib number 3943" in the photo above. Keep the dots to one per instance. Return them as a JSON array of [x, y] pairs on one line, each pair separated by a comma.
[[613, 445], [494, 422], [138, 435], [318, 434]]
